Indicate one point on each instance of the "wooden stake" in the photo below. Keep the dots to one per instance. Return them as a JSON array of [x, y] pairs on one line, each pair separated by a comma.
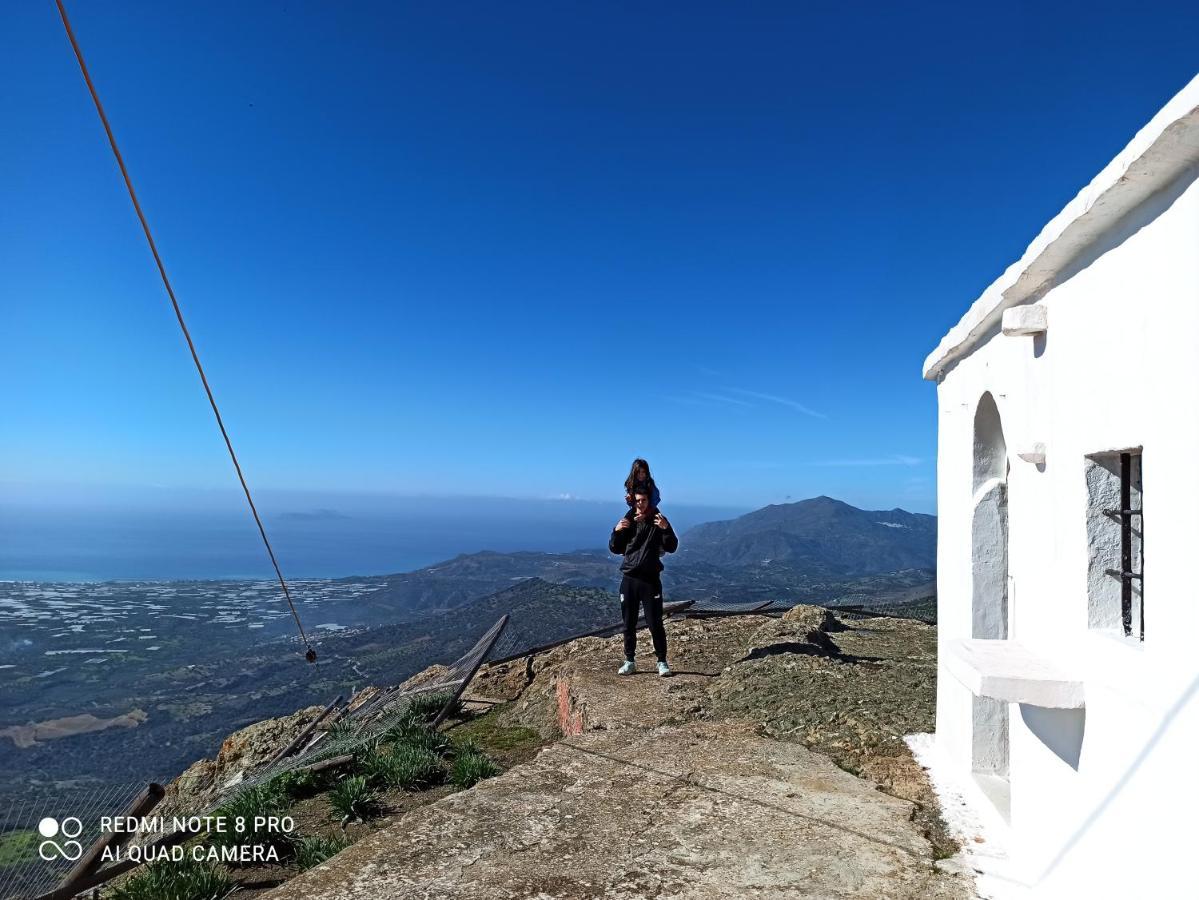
[[149, 797]]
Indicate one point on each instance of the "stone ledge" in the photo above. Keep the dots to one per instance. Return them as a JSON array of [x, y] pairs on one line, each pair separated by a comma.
[[1022, 321], [1009, 671]]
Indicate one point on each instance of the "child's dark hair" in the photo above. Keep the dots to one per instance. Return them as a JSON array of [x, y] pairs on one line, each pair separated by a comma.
[[632, 481]]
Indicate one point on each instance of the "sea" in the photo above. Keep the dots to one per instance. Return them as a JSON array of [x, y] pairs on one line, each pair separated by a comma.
[[311, 539]]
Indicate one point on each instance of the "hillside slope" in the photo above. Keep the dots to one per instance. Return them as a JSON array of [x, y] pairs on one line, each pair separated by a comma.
[[821, 536], [539, 612], [812, 551]]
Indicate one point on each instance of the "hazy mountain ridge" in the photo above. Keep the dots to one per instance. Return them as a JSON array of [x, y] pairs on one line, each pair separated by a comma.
[[538, 610], [812, 551], [823, 536], [469, 576]]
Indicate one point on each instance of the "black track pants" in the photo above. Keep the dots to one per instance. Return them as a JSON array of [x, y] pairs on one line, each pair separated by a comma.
[[636, 593]]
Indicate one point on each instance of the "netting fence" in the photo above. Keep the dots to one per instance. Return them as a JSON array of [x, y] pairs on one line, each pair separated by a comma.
[[52, 843], [922, 610]]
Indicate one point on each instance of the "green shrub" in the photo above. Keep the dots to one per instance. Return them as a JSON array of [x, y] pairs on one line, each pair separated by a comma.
[[263, 800], [405, 766], [354, 800], [296, 784], [184, 880], [415, 768], [472, 767], [342, 728], [427, 706], [465, 745], [312, 851], [18, 847]]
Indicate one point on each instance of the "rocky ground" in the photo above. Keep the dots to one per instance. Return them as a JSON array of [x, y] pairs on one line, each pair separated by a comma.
[[772, 763], [855, 707]]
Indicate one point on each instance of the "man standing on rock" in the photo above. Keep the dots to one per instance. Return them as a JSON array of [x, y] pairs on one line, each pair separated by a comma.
[[642, 535]]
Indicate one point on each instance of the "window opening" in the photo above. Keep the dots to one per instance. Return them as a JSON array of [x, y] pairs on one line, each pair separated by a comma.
[[1115, 533], [1128, 549]]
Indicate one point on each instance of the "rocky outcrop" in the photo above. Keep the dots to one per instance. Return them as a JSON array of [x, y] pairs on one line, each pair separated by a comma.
[[814, 617], [203, 781]]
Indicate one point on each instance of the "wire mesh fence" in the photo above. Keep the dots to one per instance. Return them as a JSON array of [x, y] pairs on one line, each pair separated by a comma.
[[44, 837], [924, 610]]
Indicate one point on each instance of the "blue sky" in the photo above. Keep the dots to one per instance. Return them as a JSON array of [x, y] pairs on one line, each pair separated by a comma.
[[501, 249]]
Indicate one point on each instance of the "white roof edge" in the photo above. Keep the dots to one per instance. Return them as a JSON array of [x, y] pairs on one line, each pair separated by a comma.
[[1155, 157]]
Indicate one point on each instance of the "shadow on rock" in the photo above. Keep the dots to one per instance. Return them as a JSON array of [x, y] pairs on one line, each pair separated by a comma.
[[787, 647]]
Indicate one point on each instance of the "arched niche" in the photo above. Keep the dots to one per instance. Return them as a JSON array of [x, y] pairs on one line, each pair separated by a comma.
[[990, 449], [989, 567]]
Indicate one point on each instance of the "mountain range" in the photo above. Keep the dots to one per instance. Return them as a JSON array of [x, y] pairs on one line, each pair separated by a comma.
[[821, 536], [813, 551]]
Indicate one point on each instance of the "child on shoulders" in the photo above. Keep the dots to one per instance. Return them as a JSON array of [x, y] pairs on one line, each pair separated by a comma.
[[640, 481]]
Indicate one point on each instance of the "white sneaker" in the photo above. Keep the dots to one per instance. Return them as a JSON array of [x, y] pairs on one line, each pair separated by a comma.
[[664, 670], [629, 668]]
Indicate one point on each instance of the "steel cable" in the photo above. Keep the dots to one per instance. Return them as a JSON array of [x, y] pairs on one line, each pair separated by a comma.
[[310, 654]]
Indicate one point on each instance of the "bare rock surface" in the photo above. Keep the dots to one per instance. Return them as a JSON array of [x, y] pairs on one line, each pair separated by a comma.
[[575, 687], [705, 784], [855, 706], [701, 810]]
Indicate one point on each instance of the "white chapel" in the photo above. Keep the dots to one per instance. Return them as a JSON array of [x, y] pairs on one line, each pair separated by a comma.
[[1068, 548]]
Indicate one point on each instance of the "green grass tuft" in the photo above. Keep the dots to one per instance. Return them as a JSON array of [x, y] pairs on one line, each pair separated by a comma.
[[298, 784], [355, 800], [406, 766], [18, 847], [465, 745], [472, 767], [412, 731], [425, 739], [341, 729], [263, 800], [415, 767], [184, 880], [427, 706], [374, 767], [312, 851], [404, 726]]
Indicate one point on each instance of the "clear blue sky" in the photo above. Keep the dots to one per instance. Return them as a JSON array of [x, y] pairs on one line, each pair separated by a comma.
[[499, 249]]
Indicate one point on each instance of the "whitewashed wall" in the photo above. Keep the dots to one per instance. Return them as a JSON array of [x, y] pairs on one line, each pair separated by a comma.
[[1118, 368]]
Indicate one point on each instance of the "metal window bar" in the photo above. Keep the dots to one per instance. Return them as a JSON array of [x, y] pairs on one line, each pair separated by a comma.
[[1125, 573]]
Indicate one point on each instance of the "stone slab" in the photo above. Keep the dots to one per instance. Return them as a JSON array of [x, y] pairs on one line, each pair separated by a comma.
[[693, 811], [1023, 321], [1006, 670]]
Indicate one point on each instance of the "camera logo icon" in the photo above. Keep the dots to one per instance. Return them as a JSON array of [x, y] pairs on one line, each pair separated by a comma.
[[69, 828]]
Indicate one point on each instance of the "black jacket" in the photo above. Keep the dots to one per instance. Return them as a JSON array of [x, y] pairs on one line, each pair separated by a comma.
[[642, 545]]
